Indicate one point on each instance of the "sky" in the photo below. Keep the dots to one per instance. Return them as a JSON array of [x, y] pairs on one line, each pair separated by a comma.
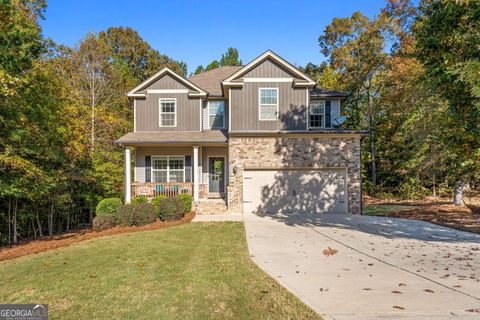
[[198, 32]]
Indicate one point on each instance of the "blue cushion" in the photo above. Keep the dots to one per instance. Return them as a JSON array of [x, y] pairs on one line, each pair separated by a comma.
[[159, 188]]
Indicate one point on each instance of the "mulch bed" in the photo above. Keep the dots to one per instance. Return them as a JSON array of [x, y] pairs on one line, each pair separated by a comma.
[[441, 212], [48, 243]]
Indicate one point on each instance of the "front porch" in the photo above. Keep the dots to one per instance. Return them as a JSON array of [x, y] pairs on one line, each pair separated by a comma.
[[166, 170]]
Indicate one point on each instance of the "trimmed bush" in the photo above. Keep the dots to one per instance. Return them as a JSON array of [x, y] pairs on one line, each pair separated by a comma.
[[109, 207], [187, 202], [171, 208], [124, 215], [142, 214], [138, 200], [103, 222], [156, 202]]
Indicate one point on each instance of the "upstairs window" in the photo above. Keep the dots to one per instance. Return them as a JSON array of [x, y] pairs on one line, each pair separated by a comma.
[[216, 114], [268, 104], [168, 169], [168, 112], [317, 114]]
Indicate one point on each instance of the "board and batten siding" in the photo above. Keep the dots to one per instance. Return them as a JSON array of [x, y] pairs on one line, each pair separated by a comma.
[[269, 69], [245, 107], [165, 82], [205, 120], [148, 112]]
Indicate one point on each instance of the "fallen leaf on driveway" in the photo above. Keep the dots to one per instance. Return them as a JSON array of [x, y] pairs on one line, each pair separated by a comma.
[[398, 307], [367, 289], [428, 290], [402, 285], [329, 252], [396, 291], [473, 310]]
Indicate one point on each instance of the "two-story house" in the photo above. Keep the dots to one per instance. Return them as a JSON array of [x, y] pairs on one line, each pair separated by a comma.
[[253, 138]]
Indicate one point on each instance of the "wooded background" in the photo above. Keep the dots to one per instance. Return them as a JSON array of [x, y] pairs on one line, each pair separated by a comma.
[[412, 73]]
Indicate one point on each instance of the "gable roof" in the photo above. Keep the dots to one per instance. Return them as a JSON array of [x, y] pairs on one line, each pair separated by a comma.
[[134, 92], [211, 81], [275, 57]]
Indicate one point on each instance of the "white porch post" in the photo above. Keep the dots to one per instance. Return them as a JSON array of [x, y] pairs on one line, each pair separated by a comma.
[[128, 188], [196, 176]]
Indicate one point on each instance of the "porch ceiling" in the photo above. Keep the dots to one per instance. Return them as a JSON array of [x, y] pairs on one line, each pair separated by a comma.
[[173, 137]]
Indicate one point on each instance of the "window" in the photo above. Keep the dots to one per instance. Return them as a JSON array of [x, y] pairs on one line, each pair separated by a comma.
[[168, 112], [317, 114], [216, 114], [268, 106], [168, 169]]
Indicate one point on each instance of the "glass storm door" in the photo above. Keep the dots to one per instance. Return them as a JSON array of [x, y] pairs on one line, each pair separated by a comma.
[[216, 174]]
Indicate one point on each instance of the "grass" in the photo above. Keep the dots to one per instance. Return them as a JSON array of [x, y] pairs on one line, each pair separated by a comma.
[[193, 271], [381, 209]]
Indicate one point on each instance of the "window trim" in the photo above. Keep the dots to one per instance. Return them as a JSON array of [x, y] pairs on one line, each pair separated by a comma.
[[260, 104], [160, 100], [208, 111], [168, 167], [316, 114]]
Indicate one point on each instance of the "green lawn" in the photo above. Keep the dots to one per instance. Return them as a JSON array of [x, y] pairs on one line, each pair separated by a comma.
[[381, 209], [193, 271]]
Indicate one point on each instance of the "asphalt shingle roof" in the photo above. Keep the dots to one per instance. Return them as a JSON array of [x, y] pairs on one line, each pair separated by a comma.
[[211, 81]]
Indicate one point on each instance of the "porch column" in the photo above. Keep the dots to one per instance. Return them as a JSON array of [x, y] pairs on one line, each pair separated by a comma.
[[128, 188], [196, 182]]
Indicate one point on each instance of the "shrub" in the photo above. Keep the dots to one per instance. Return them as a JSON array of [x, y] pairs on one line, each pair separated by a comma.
[[124, 215], [142, 214], [156, 202], [187, 202], [138, 200], [103, 222], [109, 207], [171, 208]]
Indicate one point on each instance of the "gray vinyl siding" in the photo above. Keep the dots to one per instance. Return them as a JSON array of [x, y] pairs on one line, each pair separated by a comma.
[[210, 152], [165, 82], [269, 69], [245, 107], [141, 152], [147, 113], [205, 120]]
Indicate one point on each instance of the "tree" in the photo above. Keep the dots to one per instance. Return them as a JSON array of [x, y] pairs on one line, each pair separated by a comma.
[[199, 69], [230, 58], [447, 37], [142, 60], [355, 48], [213, 65]]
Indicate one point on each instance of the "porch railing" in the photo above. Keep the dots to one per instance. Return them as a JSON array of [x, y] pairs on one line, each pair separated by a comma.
[[167, 189]]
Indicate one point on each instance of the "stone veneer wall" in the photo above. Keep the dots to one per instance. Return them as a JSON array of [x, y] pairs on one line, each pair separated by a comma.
[[310, 152]]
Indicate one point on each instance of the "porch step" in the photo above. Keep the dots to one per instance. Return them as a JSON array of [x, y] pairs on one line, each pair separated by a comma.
[[210, 206]]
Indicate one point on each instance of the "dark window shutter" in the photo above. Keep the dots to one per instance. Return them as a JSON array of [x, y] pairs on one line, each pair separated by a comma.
[[328, 116], [148, 169], [188, 169]]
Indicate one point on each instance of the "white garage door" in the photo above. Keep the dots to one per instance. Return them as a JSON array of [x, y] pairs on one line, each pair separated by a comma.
[[295, 191]]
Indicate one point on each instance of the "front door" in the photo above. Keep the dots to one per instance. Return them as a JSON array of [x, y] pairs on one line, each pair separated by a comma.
[[216, 174]]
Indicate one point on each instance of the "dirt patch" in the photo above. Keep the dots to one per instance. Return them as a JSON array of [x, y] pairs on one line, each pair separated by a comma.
[[434, 210], [48, 243]]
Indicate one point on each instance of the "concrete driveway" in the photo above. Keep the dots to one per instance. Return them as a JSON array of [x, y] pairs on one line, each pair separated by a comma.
[[384, 268]]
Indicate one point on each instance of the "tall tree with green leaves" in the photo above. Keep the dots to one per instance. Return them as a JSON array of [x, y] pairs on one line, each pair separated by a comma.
[[447, 36], [356, 50], [229, 58]]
